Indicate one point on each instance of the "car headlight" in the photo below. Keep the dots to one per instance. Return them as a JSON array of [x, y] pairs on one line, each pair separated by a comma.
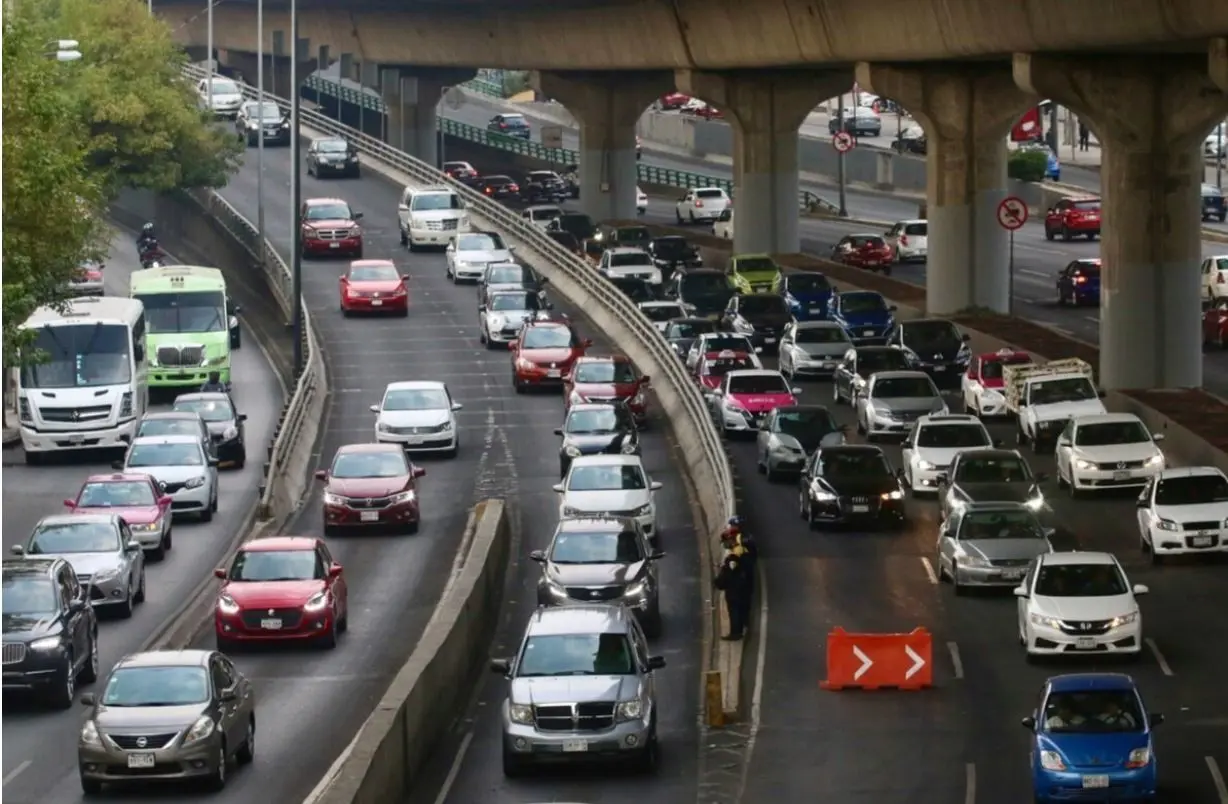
[[520, 713], [926, 466], [990, 395], [630, 710], [231, 434], [251, 124], [1139, 757], [732, 404], [333, 499], [572, 451], [643, 510], [1124, 619], [496, 321], [355, 231], [227, 604], [569, 511], [102, 576], [824, 496], [525, 365], [575, 399], [1155, 460], [445, 427], [1036, 503], [404, 497], [316, 602], [146, 527], [218, 360], [200, 730], [1051, 760], [970, 560], [636, 589], [89, 733], [383, 428], [194, 482], [1048, 622], [1083, 465], [882, 413], [46, 643], [894, 495], [629, 448]]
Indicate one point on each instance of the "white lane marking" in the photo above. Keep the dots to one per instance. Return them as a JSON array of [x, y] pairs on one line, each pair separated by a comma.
[[970, 783], [1218, 778], [1160, 660], [956, 661], [929, 570], [1030, 272], [20, 769], [1095, 319], [454, 771], [756, 695]]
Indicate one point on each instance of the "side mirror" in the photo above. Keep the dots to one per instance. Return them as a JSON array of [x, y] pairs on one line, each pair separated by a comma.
[[511, 347], [942, 477], [374, 408], [656, 485], [321, 474], [88, 699], [538, 555], [899, 473], [1140, 589], [501, 666], [77, 606], [1028, 722], [1158, 437], [133, 546], [70, 504], [645, 379], [1142, 503], [1021, 591], [242, 417], [796, 391], [558, 487], [220, 573], [238, 309], [118, 465], [451, 247], [893, 309], [965, 337], [335, 570], [17, 550], [558, 431], [357, 216], [419, 472], [457, 406], [1102, 394], [997, 442], [657, 556], [230, 695], [1155, 718], [165, 500], [212, 461], [656, 662]]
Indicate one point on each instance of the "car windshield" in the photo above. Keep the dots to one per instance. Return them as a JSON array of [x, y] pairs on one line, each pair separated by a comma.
[[762, 304], [598, 547], [369, 464], [592, 422], [73, 537], [479, 242], [264, 111], [374, 273], [143, 455], [862, 303], [116, 494], [869, 362], [689, 329], [1109, 433], [211, 410], [333, 146], [867, 241], [277, 565], [604, 371], [1000, 525], [432, 201], [514, 120], [1005, 469], [821, 335], [948, 436], [1052, 392], [903, 388], [700, 284], [416, 399], [748, 265], [183, 311], [808, 283], [25, 594], [627, 477], [1093, 712], [805, 424], [1192, 490], [168, 427], [78, 356], [931, 335], [326, 212], [992, 369], [853, 463], [1089, 205], [758, 384], [507, 302], [157, 686], [576, 655], [626, 258], [1080, 580], [916, 229], [633, 234], [547, 338], [662, 312], [223, 86]]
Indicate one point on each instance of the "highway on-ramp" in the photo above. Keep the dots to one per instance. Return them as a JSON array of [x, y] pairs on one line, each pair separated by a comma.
[[40, 761]]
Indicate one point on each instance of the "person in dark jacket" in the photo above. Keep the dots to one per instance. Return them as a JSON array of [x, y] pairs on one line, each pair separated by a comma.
[[732, 579], [214, 383], [1085, 136]]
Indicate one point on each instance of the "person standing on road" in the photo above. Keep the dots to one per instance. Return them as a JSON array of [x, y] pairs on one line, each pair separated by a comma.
[[1085, 136], [732, 578]]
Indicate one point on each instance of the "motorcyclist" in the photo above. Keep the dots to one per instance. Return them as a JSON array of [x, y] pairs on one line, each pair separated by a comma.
[[146, 238], [214, 383]]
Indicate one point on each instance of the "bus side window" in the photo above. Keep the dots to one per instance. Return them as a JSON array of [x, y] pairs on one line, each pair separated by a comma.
[[138, 339]]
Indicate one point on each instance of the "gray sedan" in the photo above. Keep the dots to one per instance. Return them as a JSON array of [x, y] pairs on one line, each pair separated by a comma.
[[791, 433], [894, 400], [989, 544], [812, 348], [103, 552]]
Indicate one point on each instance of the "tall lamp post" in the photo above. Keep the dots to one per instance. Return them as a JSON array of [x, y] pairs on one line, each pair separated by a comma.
[[296, 191], [260, 117]]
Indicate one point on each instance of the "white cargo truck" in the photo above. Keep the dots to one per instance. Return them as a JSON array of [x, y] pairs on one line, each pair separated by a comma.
[[1043, 398]]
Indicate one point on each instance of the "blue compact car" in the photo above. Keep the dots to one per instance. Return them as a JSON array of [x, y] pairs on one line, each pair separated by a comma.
[[864, 314], [1079, 283], [807, 295], [1091, 740]]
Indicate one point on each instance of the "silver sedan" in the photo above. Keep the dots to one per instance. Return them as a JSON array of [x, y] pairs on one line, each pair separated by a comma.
[[812, 348], [107, 558], [990, 545]]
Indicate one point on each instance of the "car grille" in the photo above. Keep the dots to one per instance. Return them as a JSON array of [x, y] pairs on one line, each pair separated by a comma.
[[14, 652], [1011, 562], [331, 234], [1085, 627], [603, 400], [415, 430], [447, 225], [138, 742], [628, 514], [1210, 525], [180, 355], [848, 502], [1116, 466], [91, 413], [289, 617], [594, 716], [594, 592], [171, 488], [367, 502]]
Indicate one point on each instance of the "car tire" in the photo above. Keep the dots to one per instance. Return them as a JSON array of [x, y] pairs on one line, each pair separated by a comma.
[[648, 759], [90, 787], [835, 394], [125, 607], [957, 587], [62, 692], [329, 640], [678, 216], [207, 514], [91, 671], [169, 541], [1067, 235], [773, 476], [404, 237], [1048, 233], [216, 782], [652, 624], [159, 552], [513, 766], [411, 528], [139, 597], [247, 751], [358, 253]]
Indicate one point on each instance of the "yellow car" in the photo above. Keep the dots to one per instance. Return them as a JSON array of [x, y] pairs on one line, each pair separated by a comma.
[[754, 273]]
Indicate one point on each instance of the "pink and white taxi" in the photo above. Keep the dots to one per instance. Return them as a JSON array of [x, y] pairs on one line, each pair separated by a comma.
[[711, 370], [746, 396], [983, 383]]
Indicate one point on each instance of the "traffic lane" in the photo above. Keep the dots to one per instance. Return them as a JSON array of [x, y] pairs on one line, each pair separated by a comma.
[[40, 737]]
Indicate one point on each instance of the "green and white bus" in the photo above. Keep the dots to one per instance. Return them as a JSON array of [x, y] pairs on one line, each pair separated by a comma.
[[189, 324]]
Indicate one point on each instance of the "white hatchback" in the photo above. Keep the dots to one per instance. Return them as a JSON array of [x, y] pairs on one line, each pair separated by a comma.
[[419, 415], [909, 240], [1215, 276], [1107, 451], [701, 204], [933, 444], [1184, 512], [609, 485]]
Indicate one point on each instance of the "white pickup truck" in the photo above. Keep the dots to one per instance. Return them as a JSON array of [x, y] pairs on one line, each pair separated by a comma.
[[1043, 398]]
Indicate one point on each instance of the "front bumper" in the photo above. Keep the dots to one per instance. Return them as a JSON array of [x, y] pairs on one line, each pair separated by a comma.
[[398, 514], [740, 421], [90, 288], [188, 377], [284, 625], [869, 512], [278, 136], [880, 426], [531, 743], [112, 591], [345, 245], [541, 378], [469, 271], [947, 372], [191, 501], [107, 763], [822, 367], [1100, 480], [417, 441], [991, 576], [1122, 785], [786, 461], [38, 669], [336, 168], [370, 304], [230, 452], [117, 437], [431, 237], [1046, 640], [1172, 543]]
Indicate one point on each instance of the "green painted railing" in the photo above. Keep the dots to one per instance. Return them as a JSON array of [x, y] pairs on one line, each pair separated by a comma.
[[352, 95]]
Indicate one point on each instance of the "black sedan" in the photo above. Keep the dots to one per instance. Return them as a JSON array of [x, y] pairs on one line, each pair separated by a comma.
[[638, 290], [544, 186], [333, 156], [224, 422], [682, 332], [850, 485], [990, 476], [255, 117], [500, 188], [673, 253], [595, 428]]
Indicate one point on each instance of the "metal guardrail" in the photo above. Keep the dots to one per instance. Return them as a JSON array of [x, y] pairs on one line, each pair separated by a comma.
[[556, 263], [373, 102]]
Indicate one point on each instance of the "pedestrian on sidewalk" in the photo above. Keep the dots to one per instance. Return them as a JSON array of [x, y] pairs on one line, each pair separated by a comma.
[[1085, 136]]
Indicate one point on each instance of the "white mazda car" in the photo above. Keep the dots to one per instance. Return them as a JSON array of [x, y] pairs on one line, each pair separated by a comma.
[[610, 485]]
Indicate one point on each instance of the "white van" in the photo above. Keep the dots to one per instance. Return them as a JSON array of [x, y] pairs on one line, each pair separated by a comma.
[[723, 227], [430, 216]]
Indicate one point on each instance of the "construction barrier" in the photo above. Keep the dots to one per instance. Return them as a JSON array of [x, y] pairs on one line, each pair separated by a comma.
[[879, 661]]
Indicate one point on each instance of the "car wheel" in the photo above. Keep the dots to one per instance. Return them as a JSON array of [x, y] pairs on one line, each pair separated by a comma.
[[956, 586], [217, 781], [404, 238], [1072, 488], [91, 787], [124, 609], [811, 520], [835, 393], [513, 766], [168, 540], [89, 673], [1048, 233], [159, 552], [652, 624], [358, 253], [207, 514], [1066, 234], [772, 475], [648, 758], [691, 217], [861, 429], [224, 645], [247, 751], [329, 640], [139, 597], [63, 689], [412, 527], [938, 569]]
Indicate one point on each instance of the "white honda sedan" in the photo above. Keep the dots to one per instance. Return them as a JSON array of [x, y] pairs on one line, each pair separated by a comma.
[[609, 485], [419, 415]]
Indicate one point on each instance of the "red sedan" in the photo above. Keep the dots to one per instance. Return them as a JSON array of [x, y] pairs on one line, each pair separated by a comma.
[[1073, 217], [285, 589], [461, 171], [871, 252], [711, 370], [135, 498], [544, 353], [330, 228], [371, 485], [374, 286], [606, 379], [1215, 323]]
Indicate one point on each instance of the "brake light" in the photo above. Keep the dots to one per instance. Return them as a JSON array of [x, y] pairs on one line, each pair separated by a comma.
[[903, 240], [1219, 279], [489, 189], [1079, 280], [699, 203], [503, 125], [513, 188]]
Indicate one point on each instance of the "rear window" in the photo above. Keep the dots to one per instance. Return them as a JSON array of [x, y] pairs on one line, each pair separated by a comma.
[[1089, 205], [863, 242], [710, 193], [919, 229], [630, 258], [1088, 270], [513, 119]]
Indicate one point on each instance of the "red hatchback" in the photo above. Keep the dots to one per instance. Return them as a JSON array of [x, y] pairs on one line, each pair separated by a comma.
[[371, 485], [283, 589], [374, 286], [867, 251], [1073, 217], [330, 228], [544, 353], [135, 498], [607, 379], [1215, 322]]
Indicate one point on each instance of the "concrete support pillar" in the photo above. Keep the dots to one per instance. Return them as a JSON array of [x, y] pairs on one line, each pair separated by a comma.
[[412, 97], [966, 112], [1217, 62], [1151, 117], [607, 108], [276, 70], [765, 108]]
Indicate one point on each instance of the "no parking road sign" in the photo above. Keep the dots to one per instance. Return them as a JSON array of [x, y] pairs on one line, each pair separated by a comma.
[[1012, 213], [842, 141]]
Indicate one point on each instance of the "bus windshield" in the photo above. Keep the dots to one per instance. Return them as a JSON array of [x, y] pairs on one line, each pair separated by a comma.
[[185, 311], [79, 356]]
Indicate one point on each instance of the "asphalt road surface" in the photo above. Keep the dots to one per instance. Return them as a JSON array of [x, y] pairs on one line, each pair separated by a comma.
[[40, 761], [310, 704]]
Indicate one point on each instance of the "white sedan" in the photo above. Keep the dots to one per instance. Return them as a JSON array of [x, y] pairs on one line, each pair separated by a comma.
[[641, 201], [1078, 603], [933, 444], [470, 253], [610, 485], [661, 312], [1107, 451], [1184, 512], [419, 415]]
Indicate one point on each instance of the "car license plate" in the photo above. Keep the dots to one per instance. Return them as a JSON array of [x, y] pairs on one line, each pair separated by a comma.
[[1012, 575], [369, 516], [769, 340], [871, 262], [867, 332], [575, 746], [334, 245], [76, 439], [1085, 643], [816, 309], [1097, 782], [1201, 541], [940, 368], [272, 624], [553, 373], [861, 509], [1121, 475], [140, 760], [377, 302]]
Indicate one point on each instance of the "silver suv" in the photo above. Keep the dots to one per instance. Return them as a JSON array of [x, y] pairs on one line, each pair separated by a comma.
[[582, 686]]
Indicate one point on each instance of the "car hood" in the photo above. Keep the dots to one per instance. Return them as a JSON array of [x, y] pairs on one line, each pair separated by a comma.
[[824, 349], [935, 351], [589, 443], [484, 255], [26, 626], [170, 474], [1105, 750], [330, 223], [807, 296], [1068, 410], [596, 502], [414, 418], [376, 285], [998, 492], [908, 404], [548, 355], [762, 403], [940, 456], [146, 719], [89, 563], [1119, 452], [136, 515], [863, 486], [573, 689], [594, 574], [272, 594], [1083, 608], [620, 390], [1191, 513], [225, 98], [809, 442], [367, 486], [1002, 549], [874, 319], [769, 319]]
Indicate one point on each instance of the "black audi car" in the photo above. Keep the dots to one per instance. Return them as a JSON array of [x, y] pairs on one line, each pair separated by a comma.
[[991, 476], [577, 224], [638, 290], [935, 346], [333, 156], [762, 317], [224, 422], [50, 630], [595, 428], [673, 253], [544, 186], [850, 485]]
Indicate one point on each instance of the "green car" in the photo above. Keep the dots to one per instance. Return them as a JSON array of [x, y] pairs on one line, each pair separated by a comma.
[[754, 273]]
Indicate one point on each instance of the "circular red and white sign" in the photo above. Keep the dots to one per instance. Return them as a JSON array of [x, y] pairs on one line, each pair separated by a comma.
[[1012, 213], [842, 141]]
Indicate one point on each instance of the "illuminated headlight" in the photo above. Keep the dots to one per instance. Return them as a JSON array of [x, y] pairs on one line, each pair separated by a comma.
[[200, 730], [520, 713], [630, 710], [316, 602], [333, 499], [226, 604], [1169, 525], [732, 404], [970, 560], [125, 405], [252, 125], [643, 510], [1139, 757], [525, 365], [569, 511], [404, 497], [102, 576], [146, 527], [1051, 760], [1154, 461], [195, 482], [1084, 466], [894, 495], [1048, 622], [926, 466], [46, 643], [572, 451], [636, 589], [1036, 503], [89, 734], [230, 434], [1125, 619], [628, 448], [824, 496]]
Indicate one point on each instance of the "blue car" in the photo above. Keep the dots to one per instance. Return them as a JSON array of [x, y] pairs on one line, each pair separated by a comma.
[[1091, 740], [864, 314], [1079, 283], [1053, 165], [807, 295]]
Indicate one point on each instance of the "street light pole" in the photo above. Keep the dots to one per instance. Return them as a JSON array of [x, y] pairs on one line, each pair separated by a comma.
[[296, 191], [840, 158], [209, 48], [260, 118]]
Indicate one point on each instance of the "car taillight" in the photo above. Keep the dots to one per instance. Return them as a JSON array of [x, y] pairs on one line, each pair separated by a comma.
[[1219, 279], [699, 203], [503, 125], [490, 190], [1079, 280], [513, 188], [903, 240]]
